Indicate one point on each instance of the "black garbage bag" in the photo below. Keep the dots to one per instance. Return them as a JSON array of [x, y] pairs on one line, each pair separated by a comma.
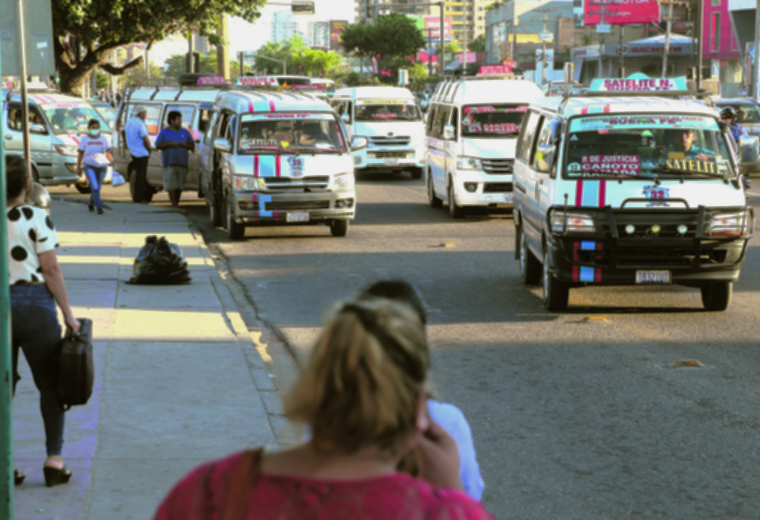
[[159, 262]]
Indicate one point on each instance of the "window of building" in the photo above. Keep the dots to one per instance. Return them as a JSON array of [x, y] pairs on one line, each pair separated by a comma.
[[715, 3], [715, 32]]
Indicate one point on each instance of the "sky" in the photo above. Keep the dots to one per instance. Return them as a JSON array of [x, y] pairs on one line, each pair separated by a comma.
[[249, 37]]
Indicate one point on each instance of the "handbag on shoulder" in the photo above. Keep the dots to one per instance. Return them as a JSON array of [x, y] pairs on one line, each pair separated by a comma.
[[76, 367]]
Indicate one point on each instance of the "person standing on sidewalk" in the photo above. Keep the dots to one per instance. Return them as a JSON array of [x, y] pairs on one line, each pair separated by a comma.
[[362, 394], [175, 142], [94, 157], [36, 284], [136, 132]]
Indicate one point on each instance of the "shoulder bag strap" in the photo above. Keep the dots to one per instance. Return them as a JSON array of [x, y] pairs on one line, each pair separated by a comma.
[[244, 480]]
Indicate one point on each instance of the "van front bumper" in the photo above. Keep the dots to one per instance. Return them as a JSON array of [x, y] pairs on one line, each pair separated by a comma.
[[478, 188], [613, 257], [389, 158], [275, 208]]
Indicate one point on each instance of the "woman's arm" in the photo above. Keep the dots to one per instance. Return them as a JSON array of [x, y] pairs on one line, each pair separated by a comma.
[[80, 156], [54, 280], [110, 159]]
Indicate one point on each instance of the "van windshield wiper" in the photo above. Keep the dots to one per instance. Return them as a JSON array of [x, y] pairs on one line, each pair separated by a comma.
[[272, 149], [686, 173]]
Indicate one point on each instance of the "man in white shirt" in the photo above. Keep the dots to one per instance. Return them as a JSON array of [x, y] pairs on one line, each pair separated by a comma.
[[136, 133]]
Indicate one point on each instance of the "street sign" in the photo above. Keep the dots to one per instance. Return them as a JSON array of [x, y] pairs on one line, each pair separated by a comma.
[[302, 8], [603, 28], [39, 38], [546, 36]]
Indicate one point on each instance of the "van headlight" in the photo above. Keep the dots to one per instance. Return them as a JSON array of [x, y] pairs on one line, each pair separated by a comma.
[[343, 181], [245, 183], [469, 163], [572, 222], [733, 224], [69, 150]]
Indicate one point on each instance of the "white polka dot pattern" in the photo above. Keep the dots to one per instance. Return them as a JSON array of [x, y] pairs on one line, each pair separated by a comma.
[[30, 232]]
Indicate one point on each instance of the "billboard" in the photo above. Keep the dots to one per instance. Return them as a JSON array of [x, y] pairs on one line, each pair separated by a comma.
[[621, 12], [431, 27], [336, 29]]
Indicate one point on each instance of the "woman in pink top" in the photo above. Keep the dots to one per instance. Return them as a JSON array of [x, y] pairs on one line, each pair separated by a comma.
[[363, 395]]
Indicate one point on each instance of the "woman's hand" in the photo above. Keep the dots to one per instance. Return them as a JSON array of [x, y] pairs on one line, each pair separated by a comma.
[[72, 322], [438, 457]]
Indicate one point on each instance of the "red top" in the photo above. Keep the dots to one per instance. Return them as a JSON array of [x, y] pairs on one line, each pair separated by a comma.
[[202, 495]]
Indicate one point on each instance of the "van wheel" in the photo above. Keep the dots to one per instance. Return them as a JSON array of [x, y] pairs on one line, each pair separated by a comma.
[[455, 211], [235, 231], [716, 296], [434, 201], [530, 267], [416, 173], [83, 188], [556, 292], [339, 228]]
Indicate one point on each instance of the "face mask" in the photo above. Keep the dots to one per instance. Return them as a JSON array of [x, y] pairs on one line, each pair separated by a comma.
[[94, 132]]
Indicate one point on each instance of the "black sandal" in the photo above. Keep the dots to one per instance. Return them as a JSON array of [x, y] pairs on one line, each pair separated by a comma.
[[18, 477], [55, 476]]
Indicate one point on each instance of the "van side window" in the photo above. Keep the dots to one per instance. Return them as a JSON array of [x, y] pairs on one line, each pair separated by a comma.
[[339, 106], [431, 119], [204, 118], [210, 134], [187, 111], [455, 120], [545, 138], [525, 146], [16, 117], [441, 120]]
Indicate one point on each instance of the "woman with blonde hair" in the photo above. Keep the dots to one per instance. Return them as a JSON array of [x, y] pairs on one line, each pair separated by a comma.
[[363, 396]]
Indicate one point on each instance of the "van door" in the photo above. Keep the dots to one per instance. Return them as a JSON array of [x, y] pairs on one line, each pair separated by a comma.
[[526, 178], [438, 150], [206, 121], [543, 171], [39, 140]]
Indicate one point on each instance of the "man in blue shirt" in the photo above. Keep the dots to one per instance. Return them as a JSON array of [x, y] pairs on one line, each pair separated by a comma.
[[175, 142], [136, 136], [685, 148]]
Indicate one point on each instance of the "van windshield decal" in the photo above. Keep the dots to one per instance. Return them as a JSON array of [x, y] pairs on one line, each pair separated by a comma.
[[648, 146], [368, 110], [492, 120]]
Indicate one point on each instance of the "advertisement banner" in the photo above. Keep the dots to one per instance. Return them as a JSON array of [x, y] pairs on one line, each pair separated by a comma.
[[432, 29], [336, 29], [621, 12]]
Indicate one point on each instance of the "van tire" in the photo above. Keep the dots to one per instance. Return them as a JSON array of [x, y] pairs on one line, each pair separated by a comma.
[[235, 231], [455, 211], [556, 292], [83, 188], [416, 173], [434, 201], [530, 267], [339, 228], [716, 296]]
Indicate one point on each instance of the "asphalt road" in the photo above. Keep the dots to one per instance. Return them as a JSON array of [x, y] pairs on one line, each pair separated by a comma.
[[578, 415]]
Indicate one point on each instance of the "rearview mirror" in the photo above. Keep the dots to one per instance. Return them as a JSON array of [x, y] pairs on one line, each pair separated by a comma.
[[359, 143], [545, 158], [448, 132], [222, 145], [750, 154]]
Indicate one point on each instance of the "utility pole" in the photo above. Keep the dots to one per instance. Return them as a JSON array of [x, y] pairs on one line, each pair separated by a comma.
[[223, 49], [700, 33], [514, 32], [544, 56], [756, 64], [622, 54], [600, 71], [429, 57], [464, 37], [666, 50], [190, 52]]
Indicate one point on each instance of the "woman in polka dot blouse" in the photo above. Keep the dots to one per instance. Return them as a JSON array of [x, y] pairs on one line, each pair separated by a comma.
[[37, 284]]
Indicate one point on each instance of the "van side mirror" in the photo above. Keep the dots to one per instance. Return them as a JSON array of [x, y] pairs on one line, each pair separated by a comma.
[[545, 158], [222, 145], [448, 132], [37, 129], [750, 154], [346, 118], [359, 143]]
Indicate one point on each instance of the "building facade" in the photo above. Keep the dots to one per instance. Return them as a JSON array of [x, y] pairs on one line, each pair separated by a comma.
[[284, 27], [720, 45], [319, 34]]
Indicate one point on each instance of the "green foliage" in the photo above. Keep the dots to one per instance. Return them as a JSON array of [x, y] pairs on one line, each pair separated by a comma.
[[586, 39], [136, 76], [478, 44], [418, 76], [207, 64], [300, 59], [353, 79], [392, 36], [102, 80], [97, 27], [449, 48]]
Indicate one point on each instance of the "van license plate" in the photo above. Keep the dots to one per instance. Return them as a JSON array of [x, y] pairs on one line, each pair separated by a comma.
[[298, 216], [391, 162], [508, 198], [653, 277]]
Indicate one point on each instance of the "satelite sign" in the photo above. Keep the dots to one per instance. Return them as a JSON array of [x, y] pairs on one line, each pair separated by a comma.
[[621, 12]]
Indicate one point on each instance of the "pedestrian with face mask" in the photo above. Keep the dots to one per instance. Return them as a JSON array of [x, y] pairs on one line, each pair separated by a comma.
[[94, 158]]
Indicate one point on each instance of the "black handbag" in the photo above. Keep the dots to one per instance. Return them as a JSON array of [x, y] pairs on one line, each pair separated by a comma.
[[76, 367]]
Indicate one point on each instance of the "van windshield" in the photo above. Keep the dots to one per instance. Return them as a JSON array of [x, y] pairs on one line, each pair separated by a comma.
[[73, 119], [378, 110], [635, 146], [492, 120], [300, 133]]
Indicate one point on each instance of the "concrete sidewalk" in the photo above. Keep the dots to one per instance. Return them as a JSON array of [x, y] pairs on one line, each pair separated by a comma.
[[179, 380]]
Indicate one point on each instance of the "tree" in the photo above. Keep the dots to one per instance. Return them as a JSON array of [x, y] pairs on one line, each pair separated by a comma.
[[478, 44], [86, 31], [392, 36], [207, 64]]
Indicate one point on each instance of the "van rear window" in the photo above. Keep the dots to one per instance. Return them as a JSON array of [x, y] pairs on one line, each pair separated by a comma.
[[387, 110], [492, 120]]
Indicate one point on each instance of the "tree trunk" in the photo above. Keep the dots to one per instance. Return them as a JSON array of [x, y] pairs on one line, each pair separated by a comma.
[[73, 80]]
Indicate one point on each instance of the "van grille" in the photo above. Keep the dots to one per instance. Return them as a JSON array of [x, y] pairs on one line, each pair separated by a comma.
[[498, 166], [391, 155], [300, 185], [399, 140], [297, 204]]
